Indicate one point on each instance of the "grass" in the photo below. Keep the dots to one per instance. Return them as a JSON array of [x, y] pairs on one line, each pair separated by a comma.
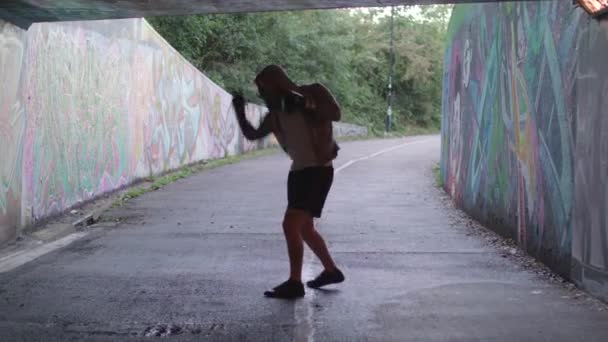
[[438, 178], [157, 182]]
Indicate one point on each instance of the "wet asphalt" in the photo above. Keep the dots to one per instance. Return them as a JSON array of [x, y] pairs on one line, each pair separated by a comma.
[[190, 262]]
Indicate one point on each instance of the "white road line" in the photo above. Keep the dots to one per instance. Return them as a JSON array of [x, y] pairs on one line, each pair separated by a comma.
[[19, 258], [373, 155]]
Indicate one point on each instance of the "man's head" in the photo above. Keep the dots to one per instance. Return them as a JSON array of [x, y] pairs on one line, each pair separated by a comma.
[[273, 83]]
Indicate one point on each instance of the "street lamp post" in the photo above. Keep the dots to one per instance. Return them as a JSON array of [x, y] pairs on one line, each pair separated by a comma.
[[389, 110]]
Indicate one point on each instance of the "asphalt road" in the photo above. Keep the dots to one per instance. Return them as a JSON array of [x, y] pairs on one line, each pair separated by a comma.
[[191, 261]]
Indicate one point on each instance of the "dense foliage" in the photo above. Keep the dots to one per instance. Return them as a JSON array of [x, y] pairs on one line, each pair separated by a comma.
[[347, 50]]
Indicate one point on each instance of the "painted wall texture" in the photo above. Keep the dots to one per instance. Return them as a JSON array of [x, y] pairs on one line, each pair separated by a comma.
[[524, 134], [12, 127], [89, 107]]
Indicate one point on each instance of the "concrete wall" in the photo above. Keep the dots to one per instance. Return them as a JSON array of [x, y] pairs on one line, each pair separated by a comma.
[[89, 107], [12, 127], [590, 211], [347, 130], [524, 136]]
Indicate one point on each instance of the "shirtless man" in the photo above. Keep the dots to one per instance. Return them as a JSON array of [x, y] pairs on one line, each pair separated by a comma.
[[301, 119]]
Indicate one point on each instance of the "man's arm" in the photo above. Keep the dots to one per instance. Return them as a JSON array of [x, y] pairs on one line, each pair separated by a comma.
[[323, 103], [248, 130]]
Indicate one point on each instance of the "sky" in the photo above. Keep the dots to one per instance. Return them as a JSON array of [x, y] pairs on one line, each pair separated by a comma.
[[413, 10]]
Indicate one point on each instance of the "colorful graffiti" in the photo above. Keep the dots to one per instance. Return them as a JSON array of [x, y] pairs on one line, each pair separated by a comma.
[[524, 143], [508, 120], [89, 107], [110, 102], [12, 128]]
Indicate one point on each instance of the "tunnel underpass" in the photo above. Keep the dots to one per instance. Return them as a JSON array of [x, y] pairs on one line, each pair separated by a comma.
[[190, 260]]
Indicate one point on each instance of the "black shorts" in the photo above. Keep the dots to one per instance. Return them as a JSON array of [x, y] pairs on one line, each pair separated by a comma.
[[307, 189]]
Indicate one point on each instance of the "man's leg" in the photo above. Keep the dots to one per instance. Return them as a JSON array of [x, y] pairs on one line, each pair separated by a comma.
[[331, 274], [316, 243], [293, 224]]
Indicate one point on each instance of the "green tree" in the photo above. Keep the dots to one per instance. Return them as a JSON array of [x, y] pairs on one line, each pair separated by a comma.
[[348, 50]]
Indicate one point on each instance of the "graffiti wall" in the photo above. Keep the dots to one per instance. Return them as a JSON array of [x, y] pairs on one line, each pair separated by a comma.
[[109, 102], [89, 107], [12, 128], [523, 146]]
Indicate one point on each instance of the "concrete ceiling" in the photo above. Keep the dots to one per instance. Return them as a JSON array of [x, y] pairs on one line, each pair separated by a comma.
[[25, 12]]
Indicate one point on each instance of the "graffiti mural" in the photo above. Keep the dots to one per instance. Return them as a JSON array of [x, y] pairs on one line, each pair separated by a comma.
[[76, 142], [509, 121], [12, 128], [110, 102], [89, 107], [524, 142]]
